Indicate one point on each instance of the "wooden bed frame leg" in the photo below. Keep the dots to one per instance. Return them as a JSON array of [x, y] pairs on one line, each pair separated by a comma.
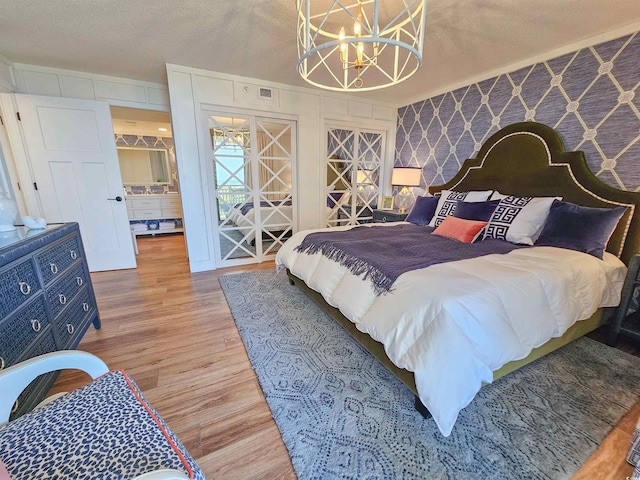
[[424, 411]]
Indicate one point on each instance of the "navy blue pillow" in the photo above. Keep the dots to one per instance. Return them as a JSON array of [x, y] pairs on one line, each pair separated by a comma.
[[334, 198], [480, 211], [585, 229], [423, 210]]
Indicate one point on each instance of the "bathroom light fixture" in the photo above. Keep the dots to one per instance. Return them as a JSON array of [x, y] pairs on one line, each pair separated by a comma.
[[383, 46], [162, 129]]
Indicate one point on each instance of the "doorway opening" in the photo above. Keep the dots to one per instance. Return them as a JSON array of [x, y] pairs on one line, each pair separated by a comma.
[[146, 154]]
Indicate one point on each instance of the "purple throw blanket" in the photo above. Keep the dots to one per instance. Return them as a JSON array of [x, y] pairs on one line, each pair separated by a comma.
[[382, 254]]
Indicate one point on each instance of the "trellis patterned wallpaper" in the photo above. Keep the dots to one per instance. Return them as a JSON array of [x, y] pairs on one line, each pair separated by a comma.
[[590, 96], [123, 140]]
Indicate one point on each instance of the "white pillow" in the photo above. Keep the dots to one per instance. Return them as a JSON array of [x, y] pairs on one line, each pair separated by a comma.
[[449, 200], [519, 219], [496, 195]]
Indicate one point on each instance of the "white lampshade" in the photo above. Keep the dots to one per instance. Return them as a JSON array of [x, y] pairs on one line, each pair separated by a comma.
[[406, 176]]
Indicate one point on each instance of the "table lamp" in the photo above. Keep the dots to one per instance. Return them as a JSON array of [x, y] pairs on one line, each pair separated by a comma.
[[405, 177]]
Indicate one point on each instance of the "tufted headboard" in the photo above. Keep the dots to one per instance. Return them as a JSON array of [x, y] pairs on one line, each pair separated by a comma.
[[529, 159]]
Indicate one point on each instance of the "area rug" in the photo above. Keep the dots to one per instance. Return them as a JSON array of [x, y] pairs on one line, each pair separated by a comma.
[[342, 415]]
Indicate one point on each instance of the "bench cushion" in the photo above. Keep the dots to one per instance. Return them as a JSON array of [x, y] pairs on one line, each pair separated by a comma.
[[105, 429]]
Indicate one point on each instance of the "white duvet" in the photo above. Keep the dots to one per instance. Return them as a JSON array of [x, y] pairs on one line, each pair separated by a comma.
[[453, 324]]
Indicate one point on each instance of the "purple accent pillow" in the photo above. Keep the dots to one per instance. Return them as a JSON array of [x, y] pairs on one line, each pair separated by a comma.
[[585, 229], [480, 211], [423, 210], [333, 198]]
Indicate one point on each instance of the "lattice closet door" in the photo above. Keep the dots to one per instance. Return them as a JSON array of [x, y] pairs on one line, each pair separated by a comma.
[[276, 160], [231, 149], [354, 159], [253, 162]]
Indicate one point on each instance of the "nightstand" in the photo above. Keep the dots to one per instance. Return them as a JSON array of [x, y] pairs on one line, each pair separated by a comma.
[[624, 323], [382, 216], [363, 213]]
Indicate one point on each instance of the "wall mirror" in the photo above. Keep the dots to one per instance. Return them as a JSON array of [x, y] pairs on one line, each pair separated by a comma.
[[144, 166]]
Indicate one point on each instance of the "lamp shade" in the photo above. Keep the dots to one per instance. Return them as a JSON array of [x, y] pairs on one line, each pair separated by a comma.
[[406, 176]]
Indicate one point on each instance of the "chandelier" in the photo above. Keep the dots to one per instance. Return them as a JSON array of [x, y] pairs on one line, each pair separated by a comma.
[[359, 44]]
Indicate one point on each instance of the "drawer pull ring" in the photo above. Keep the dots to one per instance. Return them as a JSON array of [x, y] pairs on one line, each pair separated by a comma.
[[35, 325], [25, 288], [85, 306], [73, 254], [1, 363], [79, 281], [14, 409], [54, 268], [62, 299], [70, 328]]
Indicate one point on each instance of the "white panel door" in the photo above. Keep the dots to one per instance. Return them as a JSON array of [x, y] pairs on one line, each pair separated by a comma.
[[73, 155]]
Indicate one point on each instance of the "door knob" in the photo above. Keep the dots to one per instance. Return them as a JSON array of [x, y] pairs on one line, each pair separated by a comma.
[[117, 199]]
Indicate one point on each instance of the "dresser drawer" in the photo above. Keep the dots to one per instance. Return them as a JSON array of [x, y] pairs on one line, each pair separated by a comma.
[[171, 213], [62, 292], [55, 260], [17, 285], [383, 216], [21, 329], [147, 214], [71, 324], [170, 201], [143, 202]]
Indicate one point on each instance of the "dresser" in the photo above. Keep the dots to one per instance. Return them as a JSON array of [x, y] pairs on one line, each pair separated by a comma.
[[381, 216], [142, 208], [47, 299]]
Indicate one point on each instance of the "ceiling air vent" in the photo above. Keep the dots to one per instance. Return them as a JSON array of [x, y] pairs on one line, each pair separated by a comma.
[[265, 93]]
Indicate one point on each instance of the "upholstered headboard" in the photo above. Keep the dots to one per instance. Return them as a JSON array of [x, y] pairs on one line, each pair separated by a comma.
[[529, 159]]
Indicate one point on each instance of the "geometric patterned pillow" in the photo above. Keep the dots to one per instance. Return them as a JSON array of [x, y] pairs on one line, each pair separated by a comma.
[[449, 201], [519, 219]]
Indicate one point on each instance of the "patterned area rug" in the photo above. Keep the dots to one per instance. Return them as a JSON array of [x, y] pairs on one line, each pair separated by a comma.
[[343, 415]]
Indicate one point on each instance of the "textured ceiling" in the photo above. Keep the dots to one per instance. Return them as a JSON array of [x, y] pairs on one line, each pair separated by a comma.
[[257, 38]]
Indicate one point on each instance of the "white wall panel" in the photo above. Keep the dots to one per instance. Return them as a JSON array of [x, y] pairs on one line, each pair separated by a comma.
[[361, 109], [120, 91], [196, 211], [40, 83], [75, 87], [381, 112], [335, 107], [216, 91], [7, 81], [158, 96]]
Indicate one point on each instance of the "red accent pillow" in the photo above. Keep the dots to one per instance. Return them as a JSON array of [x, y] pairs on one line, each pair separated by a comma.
[[460, 229]]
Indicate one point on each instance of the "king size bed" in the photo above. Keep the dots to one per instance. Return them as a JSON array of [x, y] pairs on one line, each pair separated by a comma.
[[478, 309]]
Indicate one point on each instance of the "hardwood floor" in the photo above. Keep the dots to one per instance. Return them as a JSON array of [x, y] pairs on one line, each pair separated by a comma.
[[173, 333]]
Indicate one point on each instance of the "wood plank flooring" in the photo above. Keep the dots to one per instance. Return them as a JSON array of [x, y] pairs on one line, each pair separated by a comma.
[[173, 333]]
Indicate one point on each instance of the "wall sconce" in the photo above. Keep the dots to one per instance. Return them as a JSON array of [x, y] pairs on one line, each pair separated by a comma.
[[405, 177]]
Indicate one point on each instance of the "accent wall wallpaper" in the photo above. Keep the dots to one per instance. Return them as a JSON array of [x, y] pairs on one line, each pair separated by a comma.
[[590, 96]]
